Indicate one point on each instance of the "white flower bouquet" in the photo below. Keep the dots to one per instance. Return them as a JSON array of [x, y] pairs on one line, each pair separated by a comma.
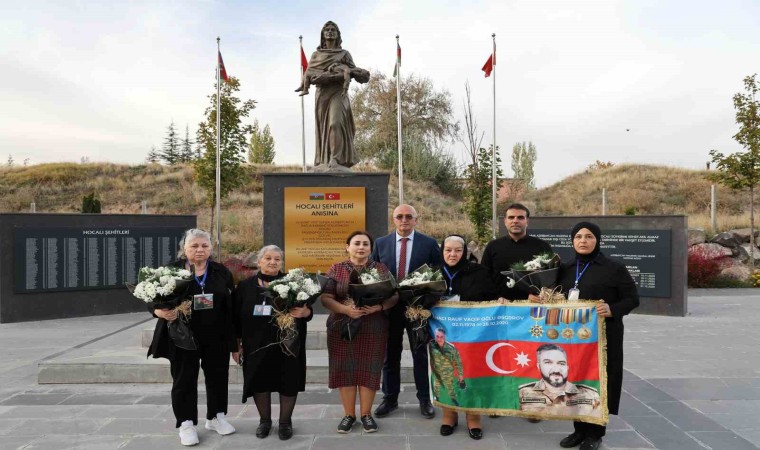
[[420, 290], [297, 288], [538, 273], [166, 288], [369, 287]]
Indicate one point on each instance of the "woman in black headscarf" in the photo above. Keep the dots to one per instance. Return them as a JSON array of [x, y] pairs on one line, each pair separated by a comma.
[[465, 281], [592, 276]]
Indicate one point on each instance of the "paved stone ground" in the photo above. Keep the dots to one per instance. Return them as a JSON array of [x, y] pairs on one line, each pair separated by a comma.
[[690, 383]]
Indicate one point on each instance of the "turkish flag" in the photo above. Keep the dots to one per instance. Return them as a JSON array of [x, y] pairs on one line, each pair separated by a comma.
[[488, 66], [332, 196], [222, 70], [304, 61]]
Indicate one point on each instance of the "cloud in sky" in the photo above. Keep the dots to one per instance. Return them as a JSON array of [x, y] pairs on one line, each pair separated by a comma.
[[103, 80]]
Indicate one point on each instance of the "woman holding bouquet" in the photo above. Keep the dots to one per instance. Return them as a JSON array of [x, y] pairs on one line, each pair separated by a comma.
[[465, 281], [356, 364], [592, 276], [213, 334], [266, 367]]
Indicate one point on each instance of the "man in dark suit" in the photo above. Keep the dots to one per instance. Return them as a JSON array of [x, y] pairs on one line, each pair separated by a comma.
[[404, 250]]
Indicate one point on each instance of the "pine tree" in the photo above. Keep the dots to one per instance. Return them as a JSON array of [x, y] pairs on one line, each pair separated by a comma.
[[186, 147], [170, 151], [153, 156]]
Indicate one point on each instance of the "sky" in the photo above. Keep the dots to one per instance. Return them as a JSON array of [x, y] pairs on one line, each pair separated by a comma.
[[625, 81]]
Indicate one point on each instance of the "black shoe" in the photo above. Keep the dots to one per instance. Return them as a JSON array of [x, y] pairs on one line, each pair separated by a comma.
[[344, 427], [571, 441], [448, 430], [370, 426], [285, 431], [532, 420], [494, 416], [386, 407], [263, 429], [426, 409], [475, 433], [591, 443]]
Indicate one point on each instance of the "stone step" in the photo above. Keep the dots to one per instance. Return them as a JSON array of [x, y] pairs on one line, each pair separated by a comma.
[[316, 334], [129, 365]]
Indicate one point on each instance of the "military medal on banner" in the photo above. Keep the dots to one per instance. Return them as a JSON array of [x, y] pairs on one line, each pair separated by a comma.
[[568, 317], [537, 313], [583, 315], [552, 320]]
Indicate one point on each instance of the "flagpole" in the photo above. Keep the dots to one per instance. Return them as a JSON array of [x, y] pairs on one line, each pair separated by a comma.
[[303, 120], [218, 145], [398, 120], [494, 222]]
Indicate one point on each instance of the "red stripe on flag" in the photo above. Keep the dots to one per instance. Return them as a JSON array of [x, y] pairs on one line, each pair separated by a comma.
[[582, 359], [304, 61], [488, 66], [222, 70]]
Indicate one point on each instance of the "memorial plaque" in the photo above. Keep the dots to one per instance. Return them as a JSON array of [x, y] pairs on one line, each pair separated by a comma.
[[646, 254], [68, 258], [317, 222]]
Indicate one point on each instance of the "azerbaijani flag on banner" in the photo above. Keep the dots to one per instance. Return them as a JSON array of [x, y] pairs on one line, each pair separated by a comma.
[[532, 360], [222, 70], [398, 60]]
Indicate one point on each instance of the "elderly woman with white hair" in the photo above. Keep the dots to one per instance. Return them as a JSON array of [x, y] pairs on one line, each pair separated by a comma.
[[266, 368], [465, 281], [213, 334]]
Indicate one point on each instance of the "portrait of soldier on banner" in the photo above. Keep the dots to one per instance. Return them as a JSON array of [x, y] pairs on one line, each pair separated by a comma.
[[448, 372], [553, 394]]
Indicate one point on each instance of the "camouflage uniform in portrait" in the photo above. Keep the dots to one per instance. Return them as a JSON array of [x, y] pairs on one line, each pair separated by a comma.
[[447, 370]]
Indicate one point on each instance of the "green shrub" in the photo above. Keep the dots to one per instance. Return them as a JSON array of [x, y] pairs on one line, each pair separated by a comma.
[[90, 204], [423, 163], [630, 211]]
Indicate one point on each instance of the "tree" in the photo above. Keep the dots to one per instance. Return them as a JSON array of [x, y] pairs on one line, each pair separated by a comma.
[[170, 152], [186, 147], [478, 194], [523, 162], [471, 141], [233, 142], [261, 147], [90, 204], [741, 170], [424, 163], [425, 112], [153, 156]]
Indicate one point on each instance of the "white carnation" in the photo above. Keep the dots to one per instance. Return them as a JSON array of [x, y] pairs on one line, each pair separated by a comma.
[[510, 283], [282, 290], [302, 296]]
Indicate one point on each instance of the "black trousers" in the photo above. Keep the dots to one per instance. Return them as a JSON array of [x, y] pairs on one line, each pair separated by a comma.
[[214, 358], [392, 365], [590, 429]]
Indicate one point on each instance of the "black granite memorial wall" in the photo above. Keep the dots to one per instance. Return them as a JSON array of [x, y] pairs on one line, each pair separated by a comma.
[[70, 265]]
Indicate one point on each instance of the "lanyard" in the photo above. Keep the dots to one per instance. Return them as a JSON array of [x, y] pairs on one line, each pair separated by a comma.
[[202, 281], [450, 277], [577, 275]]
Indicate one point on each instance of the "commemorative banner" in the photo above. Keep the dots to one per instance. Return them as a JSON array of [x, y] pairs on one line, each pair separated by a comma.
[[542, 361]]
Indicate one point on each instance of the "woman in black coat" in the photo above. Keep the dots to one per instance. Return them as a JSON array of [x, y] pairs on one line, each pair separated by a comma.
[[592, 276], [266, 368], [214, 336], [465, 281]]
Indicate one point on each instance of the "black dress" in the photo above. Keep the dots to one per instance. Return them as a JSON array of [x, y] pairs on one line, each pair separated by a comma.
[[472, 283], [608, 280], [266, 368]]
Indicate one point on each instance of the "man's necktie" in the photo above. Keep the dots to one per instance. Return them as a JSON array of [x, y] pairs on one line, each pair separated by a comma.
[[401, 272]]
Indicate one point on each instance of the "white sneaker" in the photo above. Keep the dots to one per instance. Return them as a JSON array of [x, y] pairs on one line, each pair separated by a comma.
[[187, 433], [220, 425]]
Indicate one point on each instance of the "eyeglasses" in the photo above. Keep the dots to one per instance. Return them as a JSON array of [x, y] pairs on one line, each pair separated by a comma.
[[404, 216]]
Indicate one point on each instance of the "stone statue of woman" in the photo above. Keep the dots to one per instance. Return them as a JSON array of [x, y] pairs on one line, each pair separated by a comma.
[[331, 69]]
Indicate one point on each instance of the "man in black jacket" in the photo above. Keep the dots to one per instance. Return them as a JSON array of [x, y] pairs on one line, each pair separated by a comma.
[[516, 246]]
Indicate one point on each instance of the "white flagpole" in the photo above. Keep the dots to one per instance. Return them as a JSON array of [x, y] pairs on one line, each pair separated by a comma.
[[495, 225], [398, 119], [218, 148], [303, 121]]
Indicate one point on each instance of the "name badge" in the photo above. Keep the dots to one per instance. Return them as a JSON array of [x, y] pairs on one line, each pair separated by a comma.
[[203, 301], [450, 298], [573, 294], [262, 310]]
